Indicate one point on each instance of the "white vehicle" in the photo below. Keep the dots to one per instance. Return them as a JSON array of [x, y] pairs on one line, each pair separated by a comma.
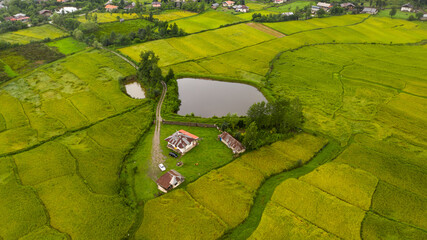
[[162, 167]]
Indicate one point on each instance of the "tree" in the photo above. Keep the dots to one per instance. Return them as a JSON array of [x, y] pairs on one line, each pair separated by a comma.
[[321, 12], [259, 114], [393, 12], [251, 140], [169, 76], [78, 34]]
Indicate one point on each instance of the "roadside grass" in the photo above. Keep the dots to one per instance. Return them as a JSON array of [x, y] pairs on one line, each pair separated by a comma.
[[124, 28], [39, 33], [68, 46], [291, 7], [206, 21], [209, 154], [82, 214], [279, 223], [324, 210], [20, 210], [335, 179], [175, 50], [179, 215], [376, 227]]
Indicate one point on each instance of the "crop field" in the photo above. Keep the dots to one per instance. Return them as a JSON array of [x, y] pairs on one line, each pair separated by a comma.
[[221, 192], [171, 15], [68, 46], [109, 17], [124, 28], [22, 59], [175, 50], [206, 21], [291, 7], [208, 155], [25, 36]]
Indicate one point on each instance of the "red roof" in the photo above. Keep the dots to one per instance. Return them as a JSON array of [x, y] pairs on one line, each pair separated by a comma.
[[188, 134], [111, 7]]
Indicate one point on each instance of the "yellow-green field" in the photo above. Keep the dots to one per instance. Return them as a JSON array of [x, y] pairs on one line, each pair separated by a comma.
[[221, 192], [164, 16], [206, 21], [25, 36]]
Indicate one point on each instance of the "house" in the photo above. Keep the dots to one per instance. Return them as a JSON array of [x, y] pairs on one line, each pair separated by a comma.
[[348, 6], [110, 8], [325, 6], [278, 1], [2, 6], [287, 14], [407, 8], [241, 8], [129, 7], [19, 15], [215, 5], [13, 19], [231, 143], [424, 17], [156, 4], [369, 10], [314, 9], [66, 10], [169, 181], [46, 13], [182, 141], [62, 1], [228, 4]]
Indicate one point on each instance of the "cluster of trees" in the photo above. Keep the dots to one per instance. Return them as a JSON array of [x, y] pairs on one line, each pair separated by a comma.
[[9, 26], [269, 122], [258, 17]]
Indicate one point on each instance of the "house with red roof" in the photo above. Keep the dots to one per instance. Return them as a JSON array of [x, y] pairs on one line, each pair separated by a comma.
[[228, 4], [156, 4], [169, 181], [182, 141], [110, 8]]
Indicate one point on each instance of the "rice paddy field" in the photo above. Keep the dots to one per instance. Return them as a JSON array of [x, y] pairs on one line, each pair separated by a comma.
[[206, 21], [25, 36], [291, 7], [211, 198], [68, 46], [124, 28], [109, 17], [64, 134]]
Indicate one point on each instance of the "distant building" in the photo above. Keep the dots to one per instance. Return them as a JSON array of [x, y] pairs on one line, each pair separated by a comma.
[[278, 1], [231, 142], [110, 8], [169, 181], [288, 14], [241, 8], [348, 6], [20, 19], [407, 8], [46, 13], [156, 4], [215, 5], [424, 17], [228, 4], [129, 7], [66, 10], [182, 141], [369, 10], [314, 9], [325, 6]]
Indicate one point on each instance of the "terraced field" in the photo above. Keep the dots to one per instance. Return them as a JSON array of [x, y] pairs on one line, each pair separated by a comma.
[[124, 28], [25, 36], [206, 21], [62, 144]]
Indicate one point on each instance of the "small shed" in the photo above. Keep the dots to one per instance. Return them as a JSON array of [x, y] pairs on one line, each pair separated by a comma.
[[231, 143], [407, 8], [169, 181], [372, 11]]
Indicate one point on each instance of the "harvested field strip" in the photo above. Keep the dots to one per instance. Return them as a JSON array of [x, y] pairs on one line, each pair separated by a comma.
[[228, 191], [266, 29]]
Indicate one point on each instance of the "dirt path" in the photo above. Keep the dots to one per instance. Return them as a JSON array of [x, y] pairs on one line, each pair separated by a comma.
[[156, 152], [266, 29]]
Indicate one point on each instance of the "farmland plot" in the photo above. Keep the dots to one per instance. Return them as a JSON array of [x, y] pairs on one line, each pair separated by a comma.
[[25, 36], [206, 21]]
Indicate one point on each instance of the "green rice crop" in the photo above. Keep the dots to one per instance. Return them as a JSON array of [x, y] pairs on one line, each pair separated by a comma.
[[109, 17], [291, 7], [244, 174], [206, 21], [324, 210], [352, 185], [25, 36], [124, 28], [178, 214], [68, 46]]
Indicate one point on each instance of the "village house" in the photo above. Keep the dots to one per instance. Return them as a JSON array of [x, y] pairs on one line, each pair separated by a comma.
[[325, 6], [182, 141], [241, 8], [314, 9], [348, 6], [231, 143], [17, 17], [156, 4], [129, 7], [2, 6], [66, 10], [110, 8], [215, 5], [369, 10], [228, 4], [46, 13], [407, 8], [287, 14], [169, 181], [424, 17], [278, 1]]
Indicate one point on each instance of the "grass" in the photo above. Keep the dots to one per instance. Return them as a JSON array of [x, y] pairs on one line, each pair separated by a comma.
[[25, 36], [181, 216], [335, 178], [68, 46], [206, 21], [209, 154], [399, 14], [291, 7], [326, 211], [123, 28]]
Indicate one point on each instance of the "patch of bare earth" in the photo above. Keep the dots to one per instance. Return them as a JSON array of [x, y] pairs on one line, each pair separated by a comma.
[[266, 29]]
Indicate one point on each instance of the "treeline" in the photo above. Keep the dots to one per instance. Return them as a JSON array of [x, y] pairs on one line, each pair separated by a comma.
[[9, 26]]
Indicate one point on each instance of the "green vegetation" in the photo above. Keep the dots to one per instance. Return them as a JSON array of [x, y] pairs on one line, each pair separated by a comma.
[[292, 7], [68, 46], [205, 21], [124, 28], [399, 14], [25, 36], [109, 17]]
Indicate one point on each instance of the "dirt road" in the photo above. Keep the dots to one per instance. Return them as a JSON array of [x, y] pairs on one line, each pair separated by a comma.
[[266, 29]]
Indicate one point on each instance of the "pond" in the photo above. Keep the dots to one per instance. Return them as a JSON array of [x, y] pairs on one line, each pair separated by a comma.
[[135, 90], [207, 98]]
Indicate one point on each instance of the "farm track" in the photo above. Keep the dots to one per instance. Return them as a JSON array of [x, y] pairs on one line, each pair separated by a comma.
[[266, 29]]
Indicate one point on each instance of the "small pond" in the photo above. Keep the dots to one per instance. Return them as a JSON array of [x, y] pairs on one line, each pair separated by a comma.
[[207, 98], [135, 90]]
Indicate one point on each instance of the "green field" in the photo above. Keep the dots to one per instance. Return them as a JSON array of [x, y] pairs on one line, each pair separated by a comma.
[[68, 46], [206, 21], [124, 28], [399, 14], [25, 36], [291, 7], [164, 16]]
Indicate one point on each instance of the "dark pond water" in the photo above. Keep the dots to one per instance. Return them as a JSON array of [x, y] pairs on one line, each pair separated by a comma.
[[207, 98], [135, 90]]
